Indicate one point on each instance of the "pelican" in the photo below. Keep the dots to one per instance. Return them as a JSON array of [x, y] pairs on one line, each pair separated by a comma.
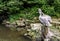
[[44, 19]]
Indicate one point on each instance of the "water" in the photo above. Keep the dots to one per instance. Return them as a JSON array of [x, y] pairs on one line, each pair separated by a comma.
[[8, 35]]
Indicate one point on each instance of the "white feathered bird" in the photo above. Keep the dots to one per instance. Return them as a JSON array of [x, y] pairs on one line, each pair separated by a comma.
[[44, 19]]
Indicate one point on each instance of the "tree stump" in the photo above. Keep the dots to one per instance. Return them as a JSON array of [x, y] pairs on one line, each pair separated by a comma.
[[44, 32]]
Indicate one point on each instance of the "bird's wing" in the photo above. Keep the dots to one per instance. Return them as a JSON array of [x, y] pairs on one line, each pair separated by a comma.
[[48, 18], [42, 20]]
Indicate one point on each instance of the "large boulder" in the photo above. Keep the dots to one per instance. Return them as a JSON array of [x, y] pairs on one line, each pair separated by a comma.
[[35, 26], [34, 32]]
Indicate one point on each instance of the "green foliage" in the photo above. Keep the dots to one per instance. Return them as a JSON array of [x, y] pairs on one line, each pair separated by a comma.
[[2, 7], [28, 8], [37, 1], [28, 13], [57, 2], [57, 5], [48, 10]]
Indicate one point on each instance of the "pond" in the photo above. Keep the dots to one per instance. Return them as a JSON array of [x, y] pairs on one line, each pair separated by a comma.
[[8, 35]]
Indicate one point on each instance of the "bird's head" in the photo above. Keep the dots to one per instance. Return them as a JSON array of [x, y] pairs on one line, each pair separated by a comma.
[[40, 12]]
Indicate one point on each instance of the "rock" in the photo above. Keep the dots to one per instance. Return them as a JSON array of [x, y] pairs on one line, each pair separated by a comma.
[[34, 31], [38, 39], [35, 26], [13, 23], [36, 20], [20, 29], [54, 39], [27, 20], [5, 22], [20, 23], [10, 25], [7, 25], [28, 29], [27, 23], [46, 39]]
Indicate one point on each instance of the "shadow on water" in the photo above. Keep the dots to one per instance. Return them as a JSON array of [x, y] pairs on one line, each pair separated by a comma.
[[8, 35]]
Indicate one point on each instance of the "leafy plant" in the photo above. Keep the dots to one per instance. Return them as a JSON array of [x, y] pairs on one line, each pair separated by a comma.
[[28, 8]]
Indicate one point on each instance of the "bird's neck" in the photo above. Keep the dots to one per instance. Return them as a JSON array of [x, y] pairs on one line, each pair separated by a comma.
[[41, 14]]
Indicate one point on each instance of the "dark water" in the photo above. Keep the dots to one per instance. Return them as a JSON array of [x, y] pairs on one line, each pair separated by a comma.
[[8, 35]]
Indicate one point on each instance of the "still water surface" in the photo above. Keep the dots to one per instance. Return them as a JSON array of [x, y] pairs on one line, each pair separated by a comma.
[[8, 35]]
